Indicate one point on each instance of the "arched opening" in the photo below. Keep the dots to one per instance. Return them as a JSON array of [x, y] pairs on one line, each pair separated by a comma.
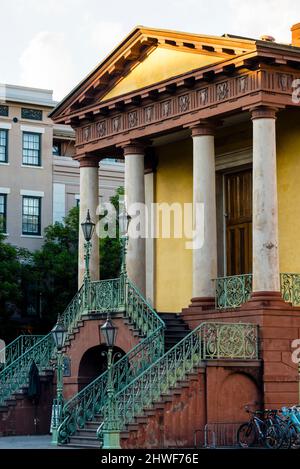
[[93, 363]]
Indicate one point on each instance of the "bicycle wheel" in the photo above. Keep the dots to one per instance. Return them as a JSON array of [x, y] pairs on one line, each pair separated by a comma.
[[273, 437], [286, 435], [295, 436], [246, 435]]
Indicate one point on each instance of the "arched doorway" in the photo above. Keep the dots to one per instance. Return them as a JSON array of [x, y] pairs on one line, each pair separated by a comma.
[[93, 363]]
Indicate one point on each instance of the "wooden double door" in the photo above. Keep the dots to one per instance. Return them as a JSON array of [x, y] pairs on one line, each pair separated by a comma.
[[238, 216]]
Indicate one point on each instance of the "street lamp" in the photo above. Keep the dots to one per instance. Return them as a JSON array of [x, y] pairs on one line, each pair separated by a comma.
[[124, 221], [88, 229], [59, 335], [111, 430]]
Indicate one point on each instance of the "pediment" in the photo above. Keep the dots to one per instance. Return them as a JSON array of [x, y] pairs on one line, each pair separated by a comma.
[[145, 57], [162, 63]]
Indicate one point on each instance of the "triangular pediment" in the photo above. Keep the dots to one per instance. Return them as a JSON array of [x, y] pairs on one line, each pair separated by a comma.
[[148, 56], [162, 63]]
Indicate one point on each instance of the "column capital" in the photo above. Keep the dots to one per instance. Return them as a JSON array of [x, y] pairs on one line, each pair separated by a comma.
[[263, 112], [133, 147], [203, 127], [88, 161]]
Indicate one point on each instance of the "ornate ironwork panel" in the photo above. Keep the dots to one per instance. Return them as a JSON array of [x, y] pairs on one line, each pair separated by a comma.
[[208, 341], [290, 288], [16, 348], [113, 295], [15, 375], [232, 292], [33, 114]]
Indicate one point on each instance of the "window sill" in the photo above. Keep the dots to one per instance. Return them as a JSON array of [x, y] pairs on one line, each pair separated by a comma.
[[31, 166], [32, 236], [4, 234], [3, 163]]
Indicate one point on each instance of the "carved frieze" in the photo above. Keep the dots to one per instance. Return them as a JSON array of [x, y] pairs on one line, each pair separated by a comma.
[[222, 90], [132, 119], [86, 133], [211, 95], [242, 84], [166, 108], [284, 81], [149, 114], [116, 124], [101, 129], [183, 103], [203, 96]]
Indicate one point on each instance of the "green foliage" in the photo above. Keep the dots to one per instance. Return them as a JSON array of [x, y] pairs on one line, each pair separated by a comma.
[[42, 283], [10, 276], [110, 248]]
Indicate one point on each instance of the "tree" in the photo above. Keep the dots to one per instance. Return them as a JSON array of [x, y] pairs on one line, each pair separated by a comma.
[[111, 248], [12, 261]]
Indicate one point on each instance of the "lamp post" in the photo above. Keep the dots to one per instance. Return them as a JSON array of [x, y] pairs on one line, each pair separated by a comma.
[[88, 229], [59, 335], [124, 221], [111, 430]]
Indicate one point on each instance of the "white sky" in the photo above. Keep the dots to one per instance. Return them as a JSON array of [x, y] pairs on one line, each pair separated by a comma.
[[55, 43]]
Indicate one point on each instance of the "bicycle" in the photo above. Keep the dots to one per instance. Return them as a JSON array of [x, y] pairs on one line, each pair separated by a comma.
[[259, 430]]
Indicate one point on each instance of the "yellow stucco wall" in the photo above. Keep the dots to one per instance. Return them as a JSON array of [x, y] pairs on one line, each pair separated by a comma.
[[161, 64], [173, 286], [288, 169], [174, 183]]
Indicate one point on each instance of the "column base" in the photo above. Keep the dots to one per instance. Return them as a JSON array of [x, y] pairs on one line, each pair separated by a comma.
[[266, 299], [111, 439], [193, 314], [202, 303]]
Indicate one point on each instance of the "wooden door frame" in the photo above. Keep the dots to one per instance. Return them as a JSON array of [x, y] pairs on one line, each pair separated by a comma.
[[222, 223]]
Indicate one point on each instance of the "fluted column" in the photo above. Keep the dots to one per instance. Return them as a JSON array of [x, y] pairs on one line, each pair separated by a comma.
[[89, 200], [204, 192], [135, 194], [265, 205]]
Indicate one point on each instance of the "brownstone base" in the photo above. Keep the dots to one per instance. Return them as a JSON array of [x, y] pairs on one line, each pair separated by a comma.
[[279, 325], [196, 308]]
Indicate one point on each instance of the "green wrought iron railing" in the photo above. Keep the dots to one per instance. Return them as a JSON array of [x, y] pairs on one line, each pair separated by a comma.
[[107, 295], [209, 341], [16, 348], [290, 288], [233, 291], [88, 403], [15, 375]]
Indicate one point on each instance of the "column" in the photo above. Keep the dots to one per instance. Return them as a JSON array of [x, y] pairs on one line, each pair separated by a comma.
[[135, 194], [204, 192], [265, 210], [89, 200]]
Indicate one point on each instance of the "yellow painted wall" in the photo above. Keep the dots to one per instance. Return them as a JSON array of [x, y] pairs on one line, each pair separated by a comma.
[[174, 183], [288, 169], [161, 64]]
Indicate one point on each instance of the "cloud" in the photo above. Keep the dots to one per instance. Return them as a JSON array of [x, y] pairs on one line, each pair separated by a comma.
[[47, 63], [273, 17], [105, 35]]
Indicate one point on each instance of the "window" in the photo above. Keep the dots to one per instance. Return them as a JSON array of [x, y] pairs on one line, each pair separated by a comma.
[[56, 148], [4, 111], [31, 149], [33, 114], [31, 215], [3, 145], [3, 206]]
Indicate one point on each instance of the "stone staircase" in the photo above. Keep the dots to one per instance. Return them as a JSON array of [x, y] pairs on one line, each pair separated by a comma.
[[176, 329]]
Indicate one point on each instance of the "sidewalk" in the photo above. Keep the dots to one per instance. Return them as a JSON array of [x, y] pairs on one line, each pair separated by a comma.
[[26, 442]]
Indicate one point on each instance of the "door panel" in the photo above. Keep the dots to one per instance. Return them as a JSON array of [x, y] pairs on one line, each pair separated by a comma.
[[238, 205]]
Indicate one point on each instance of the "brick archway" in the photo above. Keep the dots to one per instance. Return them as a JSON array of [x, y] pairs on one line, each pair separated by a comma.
[[93, 363]]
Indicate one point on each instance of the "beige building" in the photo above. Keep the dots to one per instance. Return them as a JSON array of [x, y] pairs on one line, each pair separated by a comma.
[[39, 180]]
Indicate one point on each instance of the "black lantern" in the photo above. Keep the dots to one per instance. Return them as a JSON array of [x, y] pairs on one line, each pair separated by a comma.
[[124, 220], [88, 227], [109, 332], [59, 334]]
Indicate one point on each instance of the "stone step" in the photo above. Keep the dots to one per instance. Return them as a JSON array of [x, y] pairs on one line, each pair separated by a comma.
[[85, 441]]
